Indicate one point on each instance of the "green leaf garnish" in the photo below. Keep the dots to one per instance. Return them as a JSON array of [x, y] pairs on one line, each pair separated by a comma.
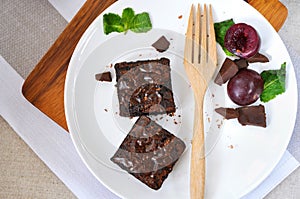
[[141, 23], [127, 16], [274, 83], [112, 23], [129, 21], [220, 31]]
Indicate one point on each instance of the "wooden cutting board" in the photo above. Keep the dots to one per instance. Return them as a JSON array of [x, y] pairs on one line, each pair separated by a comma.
[[44, 87]]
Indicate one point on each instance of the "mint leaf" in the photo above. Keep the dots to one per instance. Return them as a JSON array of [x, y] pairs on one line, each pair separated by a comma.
[[274, 83], [220, 31], [127, 16], [112, 23], [129, 21], [141, 23]]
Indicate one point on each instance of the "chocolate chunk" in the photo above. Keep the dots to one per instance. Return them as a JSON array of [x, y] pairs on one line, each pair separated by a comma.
[[106, 76], [144, 87], [149, 152], [241, 63], [227, 71], [162, 44], [252, 115], [228, 113], [258, 58], [247, 115]]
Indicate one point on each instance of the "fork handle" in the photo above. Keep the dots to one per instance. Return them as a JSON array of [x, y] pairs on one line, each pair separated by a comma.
[[197, 173]]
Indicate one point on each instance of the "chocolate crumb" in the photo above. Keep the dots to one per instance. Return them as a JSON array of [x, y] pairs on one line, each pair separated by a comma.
[[247, 115], [180, 17], [252, 115], [241, 63], [106, 76], [228, 69], [162, 44], [228, 113], [258, 58]]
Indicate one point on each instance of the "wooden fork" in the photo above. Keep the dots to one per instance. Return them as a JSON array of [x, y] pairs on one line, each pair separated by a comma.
[[200, 59]]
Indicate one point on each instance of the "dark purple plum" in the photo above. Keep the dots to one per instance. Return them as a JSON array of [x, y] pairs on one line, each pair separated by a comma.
[[245, 87], [242, 40]]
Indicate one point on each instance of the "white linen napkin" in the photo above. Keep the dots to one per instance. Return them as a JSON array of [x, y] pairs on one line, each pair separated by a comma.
[[67, 9]]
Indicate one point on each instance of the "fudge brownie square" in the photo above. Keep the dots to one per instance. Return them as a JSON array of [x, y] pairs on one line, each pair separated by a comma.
[[149, 152], [144, 87]]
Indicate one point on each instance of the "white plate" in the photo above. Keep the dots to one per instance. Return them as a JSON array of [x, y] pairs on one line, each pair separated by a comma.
[[238, 158]]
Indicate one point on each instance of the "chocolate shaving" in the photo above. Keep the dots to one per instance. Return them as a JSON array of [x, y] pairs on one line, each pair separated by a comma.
[[228, 113], [241, 63], [247, 115], [258, 58], [162, 44], [252, 115], [106, 76], [227, 71]]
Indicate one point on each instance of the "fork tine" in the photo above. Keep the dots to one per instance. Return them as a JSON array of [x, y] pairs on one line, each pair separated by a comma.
[[197, 25], [203, 57], [188, 50], [212, 50]]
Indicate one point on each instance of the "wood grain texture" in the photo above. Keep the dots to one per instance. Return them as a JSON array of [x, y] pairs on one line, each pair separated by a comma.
[[200, 72], [273, 10], [44, 87]]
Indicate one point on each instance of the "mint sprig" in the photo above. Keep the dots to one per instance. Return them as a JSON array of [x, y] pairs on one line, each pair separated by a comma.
[[137, 23], [274, 83]]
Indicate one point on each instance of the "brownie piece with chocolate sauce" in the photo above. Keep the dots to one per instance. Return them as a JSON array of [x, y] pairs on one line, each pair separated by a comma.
[[149, 152], [144, 87]]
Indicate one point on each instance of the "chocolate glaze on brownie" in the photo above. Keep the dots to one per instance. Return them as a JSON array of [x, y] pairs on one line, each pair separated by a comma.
[[144, 87], [149, 152]]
